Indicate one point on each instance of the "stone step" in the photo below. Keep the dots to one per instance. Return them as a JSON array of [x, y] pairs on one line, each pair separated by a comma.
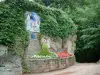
[[33, 47]]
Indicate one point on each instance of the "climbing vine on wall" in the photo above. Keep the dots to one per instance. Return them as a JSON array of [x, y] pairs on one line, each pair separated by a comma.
[[12, 28], [54, 22]]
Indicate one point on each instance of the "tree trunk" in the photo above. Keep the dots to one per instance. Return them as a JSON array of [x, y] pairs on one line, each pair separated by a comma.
[[63, 42]]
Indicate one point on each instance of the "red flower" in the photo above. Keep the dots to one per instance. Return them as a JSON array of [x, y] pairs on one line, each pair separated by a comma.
[[63, 54]]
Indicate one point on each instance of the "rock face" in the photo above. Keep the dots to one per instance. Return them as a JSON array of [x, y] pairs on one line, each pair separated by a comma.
[[56, 44], [53, 44], [3, 50], [33, 47], [11, 66], [3, 54], [46, 65]]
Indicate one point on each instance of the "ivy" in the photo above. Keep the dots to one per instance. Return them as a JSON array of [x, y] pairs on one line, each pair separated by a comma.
[[12, 28], [54, 22]]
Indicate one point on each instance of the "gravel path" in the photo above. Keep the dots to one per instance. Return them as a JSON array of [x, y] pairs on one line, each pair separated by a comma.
[[78, 69]]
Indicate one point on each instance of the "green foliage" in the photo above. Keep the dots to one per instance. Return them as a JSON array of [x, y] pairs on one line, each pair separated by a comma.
[[85, 14], [5, 32], [88, 32], [55, 23], [89, 25], [44, 51], [12, 28], [53, 20]]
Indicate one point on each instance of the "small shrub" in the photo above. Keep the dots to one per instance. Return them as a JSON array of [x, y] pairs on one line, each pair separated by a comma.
[[44, 51]]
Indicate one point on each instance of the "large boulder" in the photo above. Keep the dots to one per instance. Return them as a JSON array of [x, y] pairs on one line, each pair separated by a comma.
[[11, 66]]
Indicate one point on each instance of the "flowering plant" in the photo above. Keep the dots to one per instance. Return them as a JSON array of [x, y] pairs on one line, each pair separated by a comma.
[[63, 54]]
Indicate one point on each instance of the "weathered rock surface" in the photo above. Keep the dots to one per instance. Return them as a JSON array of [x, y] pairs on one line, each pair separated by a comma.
[[56, 44], [3, 50], [11, 66], [33, 47]]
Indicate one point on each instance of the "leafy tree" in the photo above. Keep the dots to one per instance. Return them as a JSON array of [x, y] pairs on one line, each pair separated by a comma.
[[88, 36]]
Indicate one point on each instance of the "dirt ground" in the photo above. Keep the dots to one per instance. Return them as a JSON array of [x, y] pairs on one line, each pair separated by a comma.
[[78, 69]]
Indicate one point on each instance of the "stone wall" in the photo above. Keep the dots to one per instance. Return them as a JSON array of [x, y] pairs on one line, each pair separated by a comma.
[[46, 65]]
